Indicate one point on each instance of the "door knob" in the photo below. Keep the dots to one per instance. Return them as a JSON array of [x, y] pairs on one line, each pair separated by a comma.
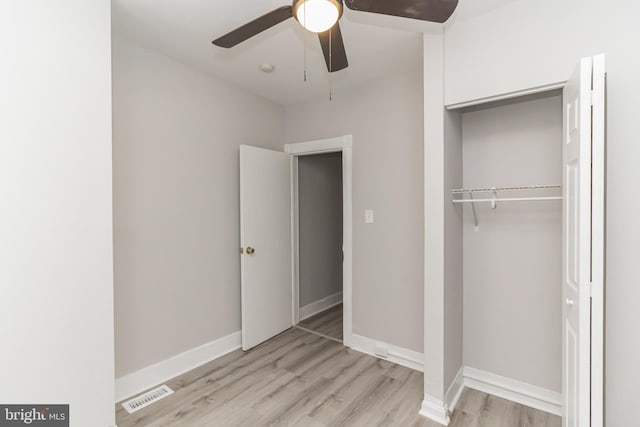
[[250, 250], [569, 302]]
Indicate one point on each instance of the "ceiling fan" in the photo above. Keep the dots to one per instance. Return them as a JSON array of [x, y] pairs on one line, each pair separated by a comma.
[[321, 17]]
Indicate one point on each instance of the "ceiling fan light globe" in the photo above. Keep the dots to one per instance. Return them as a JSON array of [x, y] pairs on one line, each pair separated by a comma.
[[317, 16]]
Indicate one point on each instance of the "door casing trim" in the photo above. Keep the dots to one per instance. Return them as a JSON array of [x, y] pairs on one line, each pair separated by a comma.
[[343, 144]]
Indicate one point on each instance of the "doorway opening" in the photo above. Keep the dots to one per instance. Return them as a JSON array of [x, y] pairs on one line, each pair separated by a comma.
[[322, 237], [320, 244]]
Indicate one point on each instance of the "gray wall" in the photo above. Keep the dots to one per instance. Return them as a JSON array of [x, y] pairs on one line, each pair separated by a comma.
[[434, 220], [513, 263], [176, 209], [56, 250], [386, 120], [453, 248], [320, 225]]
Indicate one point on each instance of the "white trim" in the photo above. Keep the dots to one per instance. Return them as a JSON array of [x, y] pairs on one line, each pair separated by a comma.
[[513, 390], [435, 410], [320, 305], [347, 243], [455, 390], [295, 242], [496, 385], [330, 145], [146, 378], [399, 355], [339, 144], [440, 411], [507, 95], [598, 139]]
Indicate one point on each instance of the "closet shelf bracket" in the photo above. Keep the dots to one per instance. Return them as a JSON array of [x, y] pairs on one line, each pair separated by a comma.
[[473, 209]]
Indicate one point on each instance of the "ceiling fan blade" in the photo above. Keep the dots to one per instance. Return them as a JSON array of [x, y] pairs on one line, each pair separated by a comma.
[[254, 27], [334, 55], [425, 10]]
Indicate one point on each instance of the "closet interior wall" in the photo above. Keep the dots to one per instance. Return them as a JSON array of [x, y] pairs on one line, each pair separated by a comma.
[[512, 262]]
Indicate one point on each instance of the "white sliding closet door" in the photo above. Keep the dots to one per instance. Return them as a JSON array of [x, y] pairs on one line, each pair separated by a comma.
[[583, 228]]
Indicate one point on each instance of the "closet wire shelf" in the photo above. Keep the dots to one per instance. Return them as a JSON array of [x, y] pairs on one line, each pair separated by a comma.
[[494, 199]]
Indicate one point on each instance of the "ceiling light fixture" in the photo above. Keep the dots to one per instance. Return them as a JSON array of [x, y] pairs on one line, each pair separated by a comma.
[[317, 16]]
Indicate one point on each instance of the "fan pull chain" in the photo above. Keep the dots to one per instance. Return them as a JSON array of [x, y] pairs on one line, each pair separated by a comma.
[[330, 65], [305, 45]]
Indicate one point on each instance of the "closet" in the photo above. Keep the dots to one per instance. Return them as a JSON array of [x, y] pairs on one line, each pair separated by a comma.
[[514, 244], [510, 204]]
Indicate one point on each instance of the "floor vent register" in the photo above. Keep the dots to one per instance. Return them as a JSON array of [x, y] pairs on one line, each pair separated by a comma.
[[147, 399]]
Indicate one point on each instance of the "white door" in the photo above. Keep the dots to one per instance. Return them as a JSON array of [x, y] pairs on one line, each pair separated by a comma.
[[581, 223], [265, 236]]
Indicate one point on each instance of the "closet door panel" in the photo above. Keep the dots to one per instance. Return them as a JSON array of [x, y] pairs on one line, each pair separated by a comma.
[[577, 247]]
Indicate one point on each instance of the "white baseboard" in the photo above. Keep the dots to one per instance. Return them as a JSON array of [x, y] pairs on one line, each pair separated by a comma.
[[435, 410], [320, 305], [151, 376], [401, 356], [455, 390], [516, 391], [440, 411], [506, 388]]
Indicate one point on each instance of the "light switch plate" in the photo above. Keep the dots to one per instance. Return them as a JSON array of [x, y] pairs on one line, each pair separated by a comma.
[[368, 216]]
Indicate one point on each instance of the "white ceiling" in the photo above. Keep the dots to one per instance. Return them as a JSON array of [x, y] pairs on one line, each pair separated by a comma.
[[376, 45]]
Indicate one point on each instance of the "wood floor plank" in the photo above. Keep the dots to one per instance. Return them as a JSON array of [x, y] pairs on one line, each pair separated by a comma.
[[302, 379], [465, 419], [248, 382], [217, 375], [240, 410], [308, 379], [473, 402], [290, 410], [499, 413], [345, 399], [328, 322], [362, 412], [400, 408]]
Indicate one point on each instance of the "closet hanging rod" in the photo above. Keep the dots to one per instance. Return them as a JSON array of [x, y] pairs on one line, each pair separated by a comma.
[[518, 188], [508, 199]]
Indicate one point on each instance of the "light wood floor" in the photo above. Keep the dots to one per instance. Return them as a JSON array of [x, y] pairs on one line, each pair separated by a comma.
[[301, 379], [328, 322]]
